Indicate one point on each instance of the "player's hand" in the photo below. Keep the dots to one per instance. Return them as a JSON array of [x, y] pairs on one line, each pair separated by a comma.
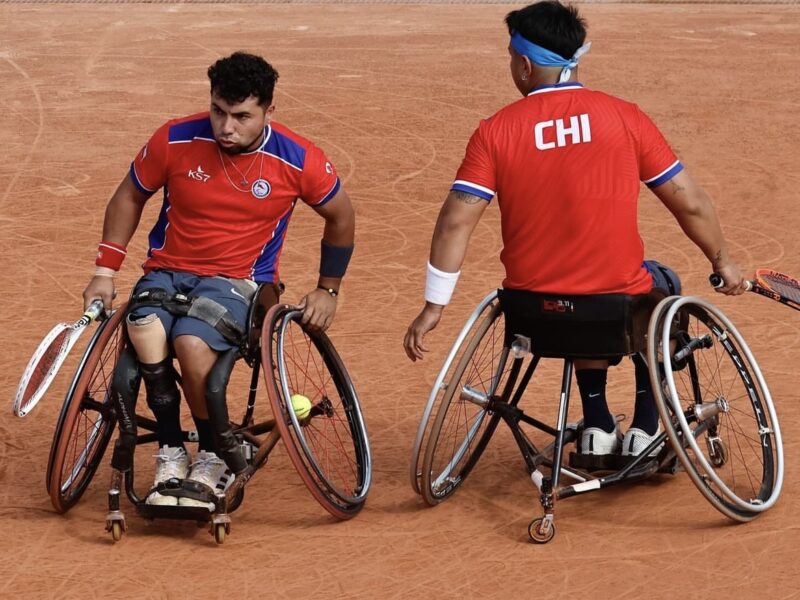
[[319, 308], [427, 320], [733, 283], [99, 288]]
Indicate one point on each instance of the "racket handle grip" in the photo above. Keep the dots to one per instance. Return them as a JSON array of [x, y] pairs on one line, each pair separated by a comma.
[[94, 311], [715, 279]]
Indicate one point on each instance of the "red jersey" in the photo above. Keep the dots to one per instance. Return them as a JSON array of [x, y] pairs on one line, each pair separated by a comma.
[[565, 163], [227, 214]]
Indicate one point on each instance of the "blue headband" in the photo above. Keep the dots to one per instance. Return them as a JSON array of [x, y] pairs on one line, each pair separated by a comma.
[[547, 58]]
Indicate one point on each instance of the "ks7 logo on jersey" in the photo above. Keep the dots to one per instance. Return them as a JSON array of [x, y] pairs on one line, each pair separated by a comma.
[[199, 174]]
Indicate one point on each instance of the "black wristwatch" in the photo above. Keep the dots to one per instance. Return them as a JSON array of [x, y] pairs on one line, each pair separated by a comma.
[[331, 291]]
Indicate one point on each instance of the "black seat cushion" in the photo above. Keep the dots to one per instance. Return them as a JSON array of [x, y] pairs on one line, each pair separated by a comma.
[[569, 326]]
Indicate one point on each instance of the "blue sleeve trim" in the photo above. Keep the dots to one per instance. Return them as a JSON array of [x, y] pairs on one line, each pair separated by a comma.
[[138, 183], [666, 176], [467, 189], [330, 194]]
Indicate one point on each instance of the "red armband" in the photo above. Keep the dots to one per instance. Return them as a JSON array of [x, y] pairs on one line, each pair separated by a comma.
[[110, 255]]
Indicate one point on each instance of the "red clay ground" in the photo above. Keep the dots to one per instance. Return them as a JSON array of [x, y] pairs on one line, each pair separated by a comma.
[[391, 93]]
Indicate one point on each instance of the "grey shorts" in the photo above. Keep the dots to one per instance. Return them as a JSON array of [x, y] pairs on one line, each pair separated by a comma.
[[230, 293]]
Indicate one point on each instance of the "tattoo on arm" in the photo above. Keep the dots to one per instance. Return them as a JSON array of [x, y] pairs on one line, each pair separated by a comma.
[[676, 188], [465, 198], [717, 258]]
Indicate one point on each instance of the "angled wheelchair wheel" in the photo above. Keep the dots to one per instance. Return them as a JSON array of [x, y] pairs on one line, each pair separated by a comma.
[[715, 406], [439, 389], [328, 446], [87, 419], [463, 426]]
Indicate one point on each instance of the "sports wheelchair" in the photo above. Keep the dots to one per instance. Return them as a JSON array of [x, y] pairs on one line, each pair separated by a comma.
[[718, 420], [328, 447]]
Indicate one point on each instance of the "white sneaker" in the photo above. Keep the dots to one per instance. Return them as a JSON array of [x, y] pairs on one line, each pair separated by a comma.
[[170, 463], [636, 441], [212, 471], [598, 442]]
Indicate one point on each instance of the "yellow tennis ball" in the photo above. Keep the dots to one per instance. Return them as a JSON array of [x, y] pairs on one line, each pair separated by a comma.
[[301, 406]]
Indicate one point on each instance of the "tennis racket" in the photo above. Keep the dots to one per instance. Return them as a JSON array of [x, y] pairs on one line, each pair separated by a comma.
[[771, 284], [48, 358]]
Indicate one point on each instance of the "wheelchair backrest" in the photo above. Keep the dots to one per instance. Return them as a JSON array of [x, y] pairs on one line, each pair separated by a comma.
[[569, 326]]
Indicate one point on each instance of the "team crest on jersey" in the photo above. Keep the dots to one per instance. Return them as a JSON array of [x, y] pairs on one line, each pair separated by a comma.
[[261, 188], [329, 168]]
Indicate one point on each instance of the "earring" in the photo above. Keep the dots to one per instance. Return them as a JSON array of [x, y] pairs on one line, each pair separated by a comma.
[[524, 78]]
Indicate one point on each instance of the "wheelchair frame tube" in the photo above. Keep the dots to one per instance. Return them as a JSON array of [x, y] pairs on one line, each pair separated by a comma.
[[563, 407]]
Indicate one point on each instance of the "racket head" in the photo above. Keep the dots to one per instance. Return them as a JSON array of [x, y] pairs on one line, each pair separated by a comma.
[[784, 286], [43, 367]]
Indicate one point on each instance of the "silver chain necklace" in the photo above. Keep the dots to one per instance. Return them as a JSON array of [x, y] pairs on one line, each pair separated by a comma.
[[245, 182]]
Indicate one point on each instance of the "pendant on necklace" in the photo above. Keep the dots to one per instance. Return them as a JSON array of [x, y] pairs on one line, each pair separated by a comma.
[[244, 181]]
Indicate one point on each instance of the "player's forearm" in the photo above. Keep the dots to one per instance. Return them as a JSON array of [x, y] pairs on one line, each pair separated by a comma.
[[703, 228], [696, 215], [338, 235], [338, 239], [449, 247]]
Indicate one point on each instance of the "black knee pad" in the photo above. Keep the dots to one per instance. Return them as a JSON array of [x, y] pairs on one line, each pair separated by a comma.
[[159, 381], [125, 389], [227, 445]]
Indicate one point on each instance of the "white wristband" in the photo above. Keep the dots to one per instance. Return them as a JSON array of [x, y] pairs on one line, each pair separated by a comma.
[[104, 272], [439, 285]]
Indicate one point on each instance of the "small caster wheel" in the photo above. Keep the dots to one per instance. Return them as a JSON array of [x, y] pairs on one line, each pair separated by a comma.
[[116, 530], [541, 531], [717, 452], [221, 530]]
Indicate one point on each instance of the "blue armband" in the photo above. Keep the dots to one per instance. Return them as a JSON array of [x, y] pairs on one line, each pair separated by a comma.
[[333, 260]]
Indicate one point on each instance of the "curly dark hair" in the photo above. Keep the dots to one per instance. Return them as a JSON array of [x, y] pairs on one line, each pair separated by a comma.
[[241, 75], [550, 24]]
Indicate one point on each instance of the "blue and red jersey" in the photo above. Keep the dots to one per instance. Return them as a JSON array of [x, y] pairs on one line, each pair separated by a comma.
[[211, 221], [565, 163]]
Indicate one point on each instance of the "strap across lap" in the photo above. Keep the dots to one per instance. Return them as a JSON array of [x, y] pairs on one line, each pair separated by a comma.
[[199, 307]]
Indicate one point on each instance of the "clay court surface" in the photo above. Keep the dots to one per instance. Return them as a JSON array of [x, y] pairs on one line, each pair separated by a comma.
[[392, 93]]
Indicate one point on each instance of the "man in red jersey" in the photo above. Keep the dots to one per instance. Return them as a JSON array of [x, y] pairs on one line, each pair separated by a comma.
[[231, 178], [565, 163]]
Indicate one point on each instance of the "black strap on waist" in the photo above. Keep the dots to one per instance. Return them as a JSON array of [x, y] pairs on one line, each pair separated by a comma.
[[205, 309]]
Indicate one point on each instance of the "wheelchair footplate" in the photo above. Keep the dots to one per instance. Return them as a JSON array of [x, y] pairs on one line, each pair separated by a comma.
[[598, 462], [613, 463], [180, 488]]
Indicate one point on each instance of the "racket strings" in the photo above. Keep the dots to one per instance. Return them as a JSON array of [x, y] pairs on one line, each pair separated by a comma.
[[47, 364], [785, 286]]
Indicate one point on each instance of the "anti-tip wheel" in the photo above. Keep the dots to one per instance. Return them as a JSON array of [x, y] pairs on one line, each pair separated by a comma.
[[221, 530], [541, 532], [116, 530], [717, 452]]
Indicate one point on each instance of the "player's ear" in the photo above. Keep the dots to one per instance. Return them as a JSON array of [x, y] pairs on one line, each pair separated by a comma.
[[527, 68], [270, 110]]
